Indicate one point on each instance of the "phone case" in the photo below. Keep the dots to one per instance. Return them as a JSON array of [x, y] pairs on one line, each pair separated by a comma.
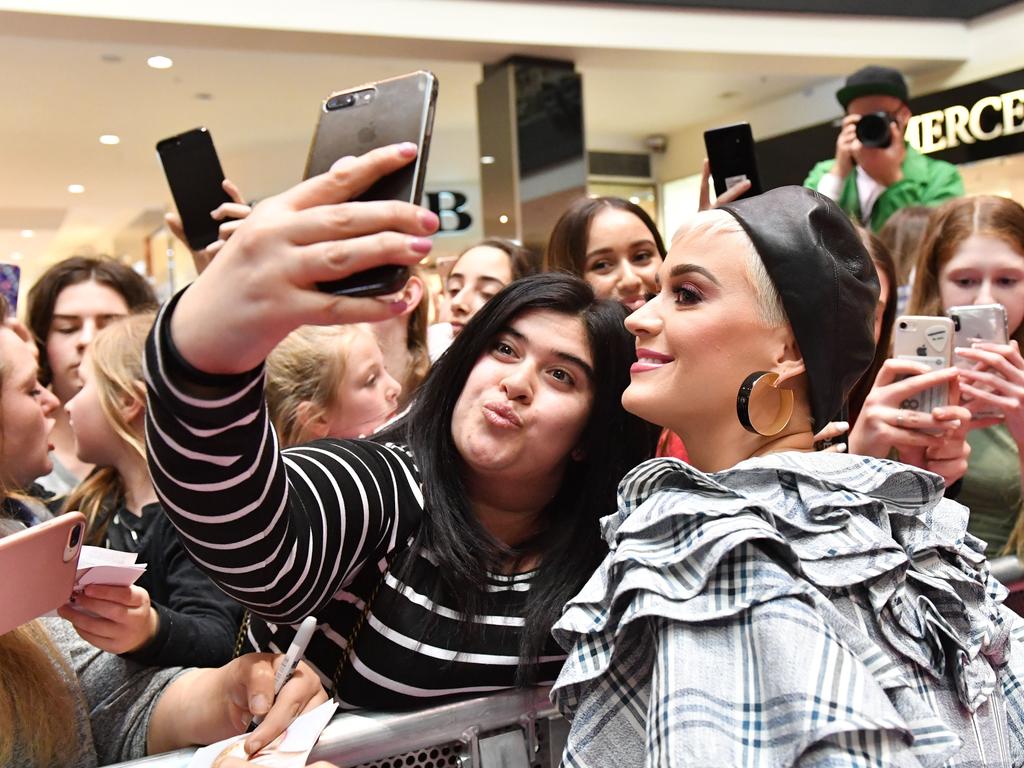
[[196, 180], [927, 340], [356, 120], [10, 283], [978, 322], [732, 158], [37, 569]]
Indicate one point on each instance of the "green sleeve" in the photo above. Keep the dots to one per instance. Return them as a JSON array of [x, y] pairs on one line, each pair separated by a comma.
[[819, 170], [941, 182]]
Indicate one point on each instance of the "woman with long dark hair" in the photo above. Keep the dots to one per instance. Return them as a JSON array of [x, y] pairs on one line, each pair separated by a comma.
[[437, 555]]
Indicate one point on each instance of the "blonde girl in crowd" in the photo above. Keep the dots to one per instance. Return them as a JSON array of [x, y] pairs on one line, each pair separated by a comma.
[[64, 702], [173, 615], [973, 253], [67, 306], [329, 381]]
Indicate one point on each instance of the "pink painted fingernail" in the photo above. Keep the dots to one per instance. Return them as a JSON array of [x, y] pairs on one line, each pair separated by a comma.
[[407, 149], [421, 245], [429, 220]]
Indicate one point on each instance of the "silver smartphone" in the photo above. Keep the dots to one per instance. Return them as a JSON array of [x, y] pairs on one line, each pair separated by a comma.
[[356, 120], [927, 340], [978, 322]]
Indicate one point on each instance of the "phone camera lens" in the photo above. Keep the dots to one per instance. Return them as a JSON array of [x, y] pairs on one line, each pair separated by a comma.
[[341, 101], [76, 536], [903, 326]]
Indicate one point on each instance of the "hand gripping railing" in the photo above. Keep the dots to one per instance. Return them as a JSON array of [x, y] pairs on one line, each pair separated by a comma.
[[516, 729]]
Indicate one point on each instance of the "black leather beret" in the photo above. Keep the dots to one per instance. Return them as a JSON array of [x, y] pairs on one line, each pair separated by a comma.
[[827, 284]]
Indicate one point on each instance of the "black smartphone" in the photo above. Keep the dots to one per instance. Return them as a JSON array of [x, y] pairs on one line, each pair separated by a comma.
[[356, 120], [731, 156], [194, 174]]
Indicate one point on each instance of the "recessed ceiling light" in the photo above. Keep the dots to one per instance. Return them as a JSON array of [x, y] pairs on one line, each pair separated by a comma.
[[110, 139], [76, 189], [487, 160], [159, 62], [16, 256], [27, 233], [634, 200], [503, 219]]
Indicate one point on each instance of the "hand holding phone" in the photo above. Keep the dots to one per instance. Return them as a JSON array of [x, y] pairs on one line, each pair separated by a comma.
[[197, 183], [928, 341], [356, 120], [732, 160]]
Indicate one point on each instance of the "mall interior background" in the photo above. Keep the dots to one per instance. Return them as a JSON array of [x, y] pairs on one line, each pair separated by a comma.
[[654, 76]]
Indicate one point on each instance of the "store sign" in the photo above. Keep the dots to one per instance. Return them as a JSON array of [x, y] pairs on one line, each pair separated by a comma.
[[450, 208], [988, 118]]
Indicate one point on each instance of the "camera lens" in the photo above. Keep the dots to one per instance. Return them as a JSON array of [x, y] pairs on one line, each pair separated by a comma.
[[342, 101], [76, 536], [873, 130], [903, 326]]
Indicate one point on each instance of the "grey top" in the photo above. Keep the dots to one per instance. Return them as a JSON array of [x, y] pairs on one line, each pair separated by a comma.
[[114, 700], [60, 481]]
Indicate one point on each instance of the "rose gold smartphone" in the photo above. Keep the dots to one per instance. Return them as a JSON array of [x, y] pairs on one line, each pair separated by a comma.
[[37, 569]]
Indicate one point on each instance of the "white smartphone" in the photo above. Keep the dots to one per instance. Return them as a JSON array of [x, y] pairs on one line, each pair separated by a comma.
[[927, 340], [978, 322]]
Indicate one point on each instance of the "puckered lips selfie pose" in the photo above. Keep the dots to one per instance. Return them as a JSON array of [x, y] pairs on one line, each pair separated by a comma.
[[437, 556], [768, 605]]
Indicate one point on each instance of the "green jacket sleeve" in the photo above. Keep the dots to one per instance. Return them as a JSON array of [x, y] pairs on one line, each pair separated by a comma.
[[924, 182], [819, 170]]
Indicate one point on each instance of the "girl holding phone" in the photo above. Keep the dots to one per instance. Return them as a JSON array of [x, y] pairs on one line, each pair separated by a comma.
[[973, 253], [437, 555]]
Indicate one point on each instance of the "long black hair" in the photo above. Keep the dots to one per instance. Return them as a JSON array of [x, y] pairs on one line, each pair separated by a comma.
[[570, 545]]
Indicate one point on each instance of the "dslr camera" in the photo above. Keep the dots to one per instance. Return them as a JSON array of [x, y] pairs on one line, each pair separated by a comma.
[[873, 129]]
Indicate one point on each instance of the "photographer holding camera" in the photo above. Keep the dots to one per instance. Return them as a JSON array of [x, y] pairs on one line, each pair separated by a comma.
[[875, 172]]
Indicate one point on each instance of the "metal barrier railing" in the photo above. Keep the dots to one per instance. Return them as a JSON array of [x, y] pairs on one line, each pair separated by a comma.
[[515, 729], [1008, 570]]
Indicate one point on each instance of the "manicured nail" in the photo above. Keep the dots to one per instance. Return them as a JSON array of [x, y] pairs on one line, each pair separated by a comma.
[[420, 245], [429, 219], [258, 704], [407, 149], [840, 447], [842, 426], [253, 746]]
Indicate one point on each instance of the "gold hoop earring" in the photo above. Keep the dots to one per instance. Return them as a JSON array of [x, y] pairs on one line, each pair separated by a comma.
[[754, 386]]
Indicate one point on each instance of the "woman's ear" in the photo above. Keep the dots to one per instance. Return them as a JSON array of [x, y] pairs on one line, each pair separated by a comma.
[[789, 363], [310, 422], [412, 294]]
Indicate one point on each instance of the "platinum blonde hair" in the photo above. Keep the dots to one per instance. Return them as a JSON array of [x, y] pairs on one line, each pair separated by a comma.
[[770, 311]]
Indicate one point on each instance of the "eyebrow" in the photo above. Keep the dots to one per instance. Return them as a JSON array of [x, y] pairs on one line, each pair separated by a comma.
[[634, 244], [482, 278], [79, 317], [685, 269], [567, 357]]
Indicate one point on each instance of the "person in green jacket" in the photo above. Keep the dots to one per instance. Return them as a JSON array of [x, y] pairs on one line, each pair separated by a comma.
[[872, 183]]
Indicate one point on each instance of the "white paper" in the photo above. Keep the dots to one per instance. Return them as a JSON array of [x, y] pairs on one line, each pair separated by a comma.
[[289, 750], [99, 565]]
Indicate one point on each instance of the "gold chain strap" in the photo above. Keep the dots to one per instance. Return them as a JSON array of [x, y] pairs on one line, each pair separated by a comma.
[[243, 629], [346, 655]]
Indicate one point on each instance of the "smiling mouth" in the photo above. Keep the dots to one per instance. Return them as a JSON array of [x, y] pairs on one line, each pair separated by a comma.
[[649, 360]]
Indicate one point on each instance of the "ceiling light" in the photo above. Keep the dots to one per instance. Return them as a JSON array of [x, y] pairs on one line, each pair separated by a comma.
[[503, 219], [27, 233], [159, 62], [16, 256], [110, 139], [634, 200], [487, 160], [76, 189]]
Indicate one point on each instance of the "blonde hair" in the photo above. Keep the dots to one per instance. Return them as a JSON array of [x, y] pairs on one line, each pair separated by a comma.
[[770, 311], [36, 705], [116, 358], [307, 366]]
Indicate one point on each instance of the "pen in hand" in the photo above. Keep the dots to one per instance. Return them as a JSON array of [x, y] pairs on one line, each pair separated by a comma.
[[291, 660]]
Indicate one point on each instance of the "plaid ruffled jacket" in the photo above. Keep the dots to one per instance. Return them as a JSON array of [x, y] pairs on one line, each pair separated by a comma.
[[797, 609]]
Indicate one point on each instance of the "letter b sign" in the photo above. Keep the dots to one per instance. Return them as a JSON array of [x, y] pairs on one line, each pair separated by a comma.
[[449, 208]]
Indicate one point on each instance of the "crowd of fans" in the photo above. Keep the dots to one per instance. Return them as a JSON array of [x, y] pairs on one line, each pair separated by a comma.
[[604, 469]]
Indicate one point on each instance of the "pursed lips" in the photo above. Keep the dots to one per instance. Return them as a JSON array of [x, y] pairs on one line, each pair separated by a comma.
[[502, 415]]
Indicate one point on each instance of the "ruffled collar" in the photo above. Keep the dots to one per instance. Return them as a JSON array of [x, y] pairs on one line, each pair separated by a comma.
[[849, 523]]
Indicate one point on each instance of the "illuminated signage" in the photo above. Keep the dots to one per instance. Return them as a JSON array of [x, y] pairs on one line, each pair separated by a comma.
[[988, 118]]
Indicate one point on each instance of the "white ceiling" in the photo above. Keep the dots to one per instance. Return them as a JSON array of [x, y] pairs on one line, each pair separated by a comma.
[[60, 92]]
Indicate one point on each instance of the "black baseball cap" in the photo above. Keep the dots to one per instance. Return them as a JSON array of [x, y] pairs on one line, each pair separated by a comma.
[[873, 81]]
